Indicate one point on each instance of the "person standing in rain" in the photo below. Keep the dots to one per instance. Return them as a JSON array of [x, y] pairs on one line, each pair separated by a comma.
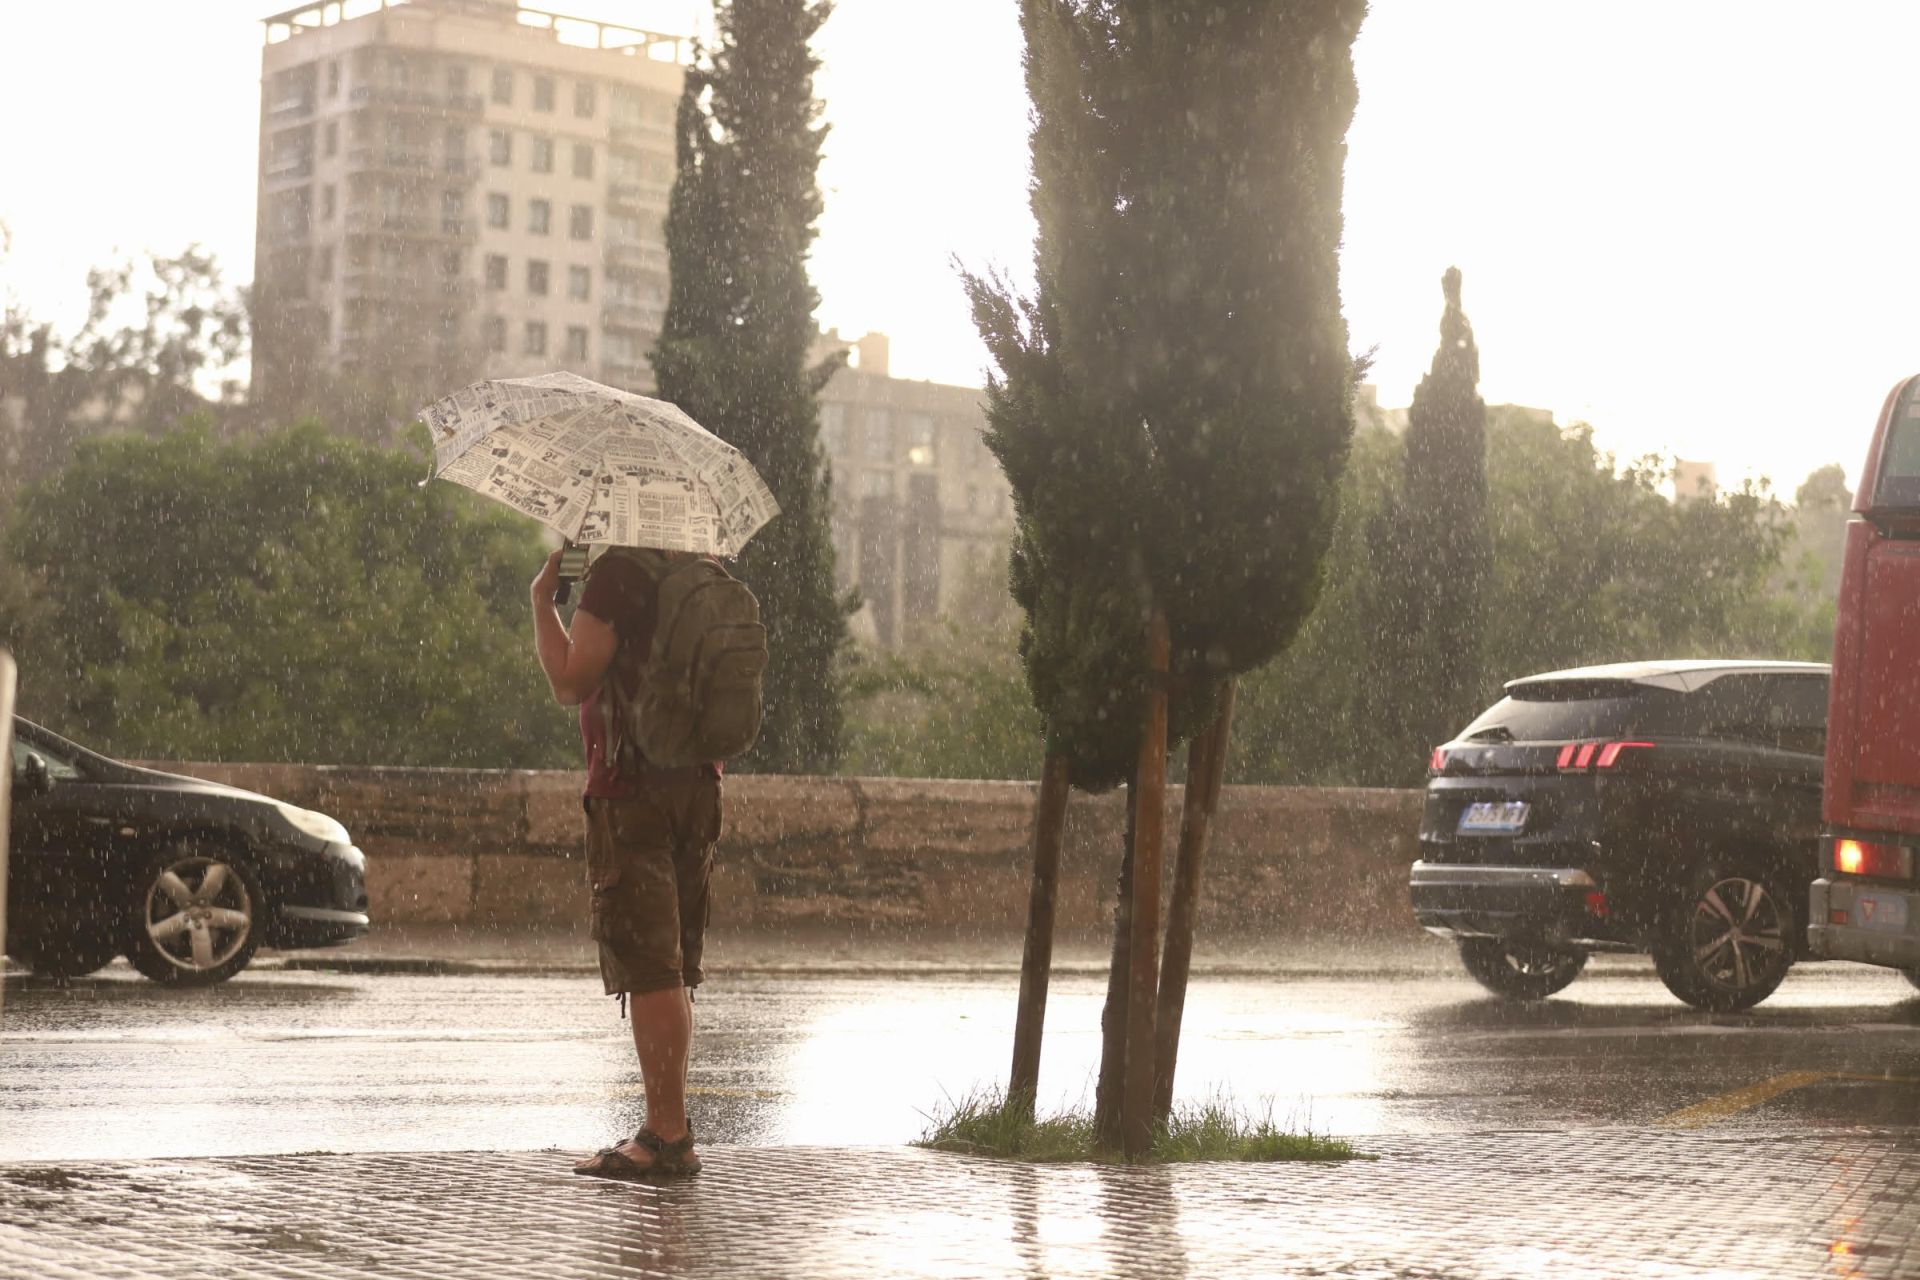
[[650, 839]]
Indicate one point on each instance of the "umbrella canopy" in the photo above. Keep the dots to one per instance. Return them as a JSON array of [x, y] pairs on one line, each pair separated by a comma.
[[597, 464]]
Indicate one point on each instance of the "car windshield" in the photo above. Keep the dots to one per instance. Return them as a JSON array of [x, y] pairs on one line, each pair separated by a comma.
[[1563, 710], [1899, 484]]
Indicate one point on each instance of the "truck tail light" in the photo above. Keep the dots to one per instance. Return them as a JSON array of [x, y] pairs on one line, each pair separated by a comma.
[[1868, 858], [1575, 757]]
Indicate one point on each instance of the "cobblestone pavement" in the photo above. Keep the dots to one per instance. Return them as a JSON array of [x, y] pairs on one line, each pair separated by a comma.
[[1600, 1204]]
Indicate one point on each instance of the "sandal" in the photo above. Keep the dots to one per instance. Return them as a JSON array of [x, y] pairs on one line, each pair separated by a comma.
[[670, 1160]]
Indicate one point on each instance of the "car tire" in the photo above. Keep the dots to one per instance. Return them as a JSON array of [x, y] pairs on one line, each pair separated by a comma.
[[1726, 945], [1520, 971], [196, 916], [71, 955]]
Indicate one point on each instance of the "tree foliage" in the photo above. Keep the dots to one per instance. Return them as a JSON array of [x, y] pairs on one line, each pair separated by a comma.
[[734, 345], [1173, 404], [160, 341], [1434, 547], [292, 597]]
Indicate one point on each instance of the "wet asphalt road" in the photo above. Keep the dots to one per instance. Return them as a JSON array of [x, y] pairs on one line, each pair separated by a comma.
[[295, 1061]]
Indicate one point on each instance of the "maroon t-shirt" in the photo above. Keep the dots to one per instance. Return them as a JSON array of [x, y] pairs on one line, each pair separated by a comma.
[[621, 594]]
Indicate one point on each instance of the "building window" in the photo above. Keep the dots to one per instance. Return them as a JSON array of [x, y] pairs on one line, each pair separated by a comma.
[[920, 441], [326, 262], [536, 277], [584, 102], [327, 198], [497, 272], [333, 77], [457, 80], [543, 155], [879, 436], [577, 343], [876, 484], [580, 222], [453, 208], [496, 209], [503, 92], [579, 283], [454, 140], [583, 160], [330, 138], [500, 146], [451, 261], [620, 348], [543, 93], [496, 331], [536, 337], [539, 216]]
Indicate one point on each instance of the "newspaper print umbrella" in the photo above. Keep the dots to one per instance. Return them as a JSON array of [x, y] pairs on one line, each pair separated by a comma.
[[597, 464]]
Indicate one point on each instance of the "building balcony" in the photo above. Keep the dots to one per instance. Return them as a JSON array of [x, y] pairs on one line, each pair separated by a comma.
[[290, 107], [637, 254], [413, 163], [378, 222], [437, 101], [638, 197], [289, 168], [410, 289], [632, 315]]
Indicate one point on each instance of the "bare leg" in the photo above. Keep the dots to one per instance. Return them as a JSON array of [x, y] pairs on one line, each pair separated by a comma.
[[663, 1039]]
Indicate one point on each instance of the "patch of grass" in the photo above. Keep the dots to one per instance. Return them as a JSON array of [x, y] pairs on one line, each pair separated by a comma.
[[988, 1124]]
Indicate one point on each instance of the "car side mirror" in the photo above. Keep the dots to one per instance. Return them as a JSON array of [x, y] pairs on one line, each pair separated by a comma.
[[35, 778]]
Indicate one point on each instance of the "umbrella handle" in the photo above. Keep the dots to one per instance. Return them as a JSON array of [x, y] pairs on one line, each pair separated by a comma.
[[573, 566]]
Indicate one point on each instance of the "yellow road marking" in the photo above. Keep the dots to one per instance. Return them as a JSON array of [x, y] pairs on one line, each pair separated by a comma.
[[1705, 1113]]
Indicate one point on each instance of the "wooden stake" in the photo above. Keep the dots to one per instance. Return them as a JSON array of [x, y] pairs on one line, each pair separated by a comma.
[[1036, 962], [1206, 768], [1149, 832]]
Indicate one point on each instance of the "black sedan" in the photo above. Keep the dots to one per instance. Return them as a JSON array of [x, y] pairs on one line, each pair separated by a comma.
[[185, 878]]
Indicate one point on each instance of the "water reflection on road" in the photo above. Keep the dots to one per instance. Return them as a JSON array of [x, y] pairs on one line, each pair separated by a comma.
[[299, 1061]]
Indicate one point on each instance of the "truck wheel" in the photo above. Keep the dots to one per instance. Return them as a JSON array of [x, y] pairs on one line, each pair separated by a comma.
[[1724, 947], [1520, 970], [197, 916]]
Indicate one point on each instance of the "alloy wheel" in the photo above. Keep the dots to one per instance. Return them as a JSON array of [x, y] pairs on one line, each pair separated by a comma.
[[1738, 934], [198, 913]]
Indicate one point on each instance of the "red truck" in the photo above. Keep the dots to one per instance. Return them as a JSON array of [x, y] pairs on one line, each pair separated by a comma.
[[1866, 905]]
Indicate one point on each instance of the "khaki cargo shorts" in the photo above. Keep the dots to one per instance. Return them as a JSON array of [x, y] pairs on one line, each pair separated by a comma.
[[649, 860]]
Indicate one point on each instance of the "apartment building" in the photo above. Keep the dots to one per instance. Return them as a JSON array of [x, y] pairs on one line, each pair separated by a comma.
[[453, 189], [922, 516]]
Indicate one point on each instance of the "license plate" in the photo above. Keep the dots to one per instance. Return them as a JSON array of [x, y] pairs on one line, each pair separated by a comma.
[[1493, 818], [1881, 911]]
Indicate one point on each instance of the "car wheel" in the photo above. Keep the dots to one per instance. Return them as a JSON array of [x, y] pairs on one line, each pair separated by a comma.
[[1520, 970], [70, 955], [197, 916], [1726, 945]]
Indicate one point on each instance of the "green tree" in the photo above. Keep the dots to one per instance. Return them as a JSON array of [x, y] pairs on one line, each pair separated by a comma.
[[1174, 403], [734, 345], [1436, 550], [291, 597]]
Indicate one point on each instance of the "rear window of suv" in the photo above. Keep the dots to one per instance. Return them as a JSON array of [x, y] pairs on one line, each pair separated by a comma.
[[1562, 710], [1900, 465]]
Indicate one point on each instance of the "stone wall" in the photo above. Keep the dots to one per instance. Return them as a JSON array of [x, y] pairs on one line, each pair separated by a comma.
[[501, 849]]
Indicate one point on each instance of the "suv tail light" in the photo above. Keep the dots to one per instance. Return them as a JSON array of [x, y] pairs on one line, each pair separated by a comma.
[[1437, 761], [1576, 757], [1867, 858]]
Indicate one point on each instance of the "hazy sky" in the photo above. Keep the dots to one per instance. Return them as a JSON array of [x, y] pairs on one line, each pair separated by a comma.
[[1683, 221]]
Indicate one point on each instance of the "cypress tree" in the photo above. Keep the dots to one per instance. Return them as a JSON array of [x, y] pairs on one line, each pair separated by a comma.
[[1173, 405], [734, 346], [1444, 558]]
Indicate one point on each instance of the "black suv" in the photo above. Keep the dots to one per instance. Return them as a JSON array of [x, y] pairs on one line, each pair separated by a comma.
[[1665, 807], [186, 878]]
